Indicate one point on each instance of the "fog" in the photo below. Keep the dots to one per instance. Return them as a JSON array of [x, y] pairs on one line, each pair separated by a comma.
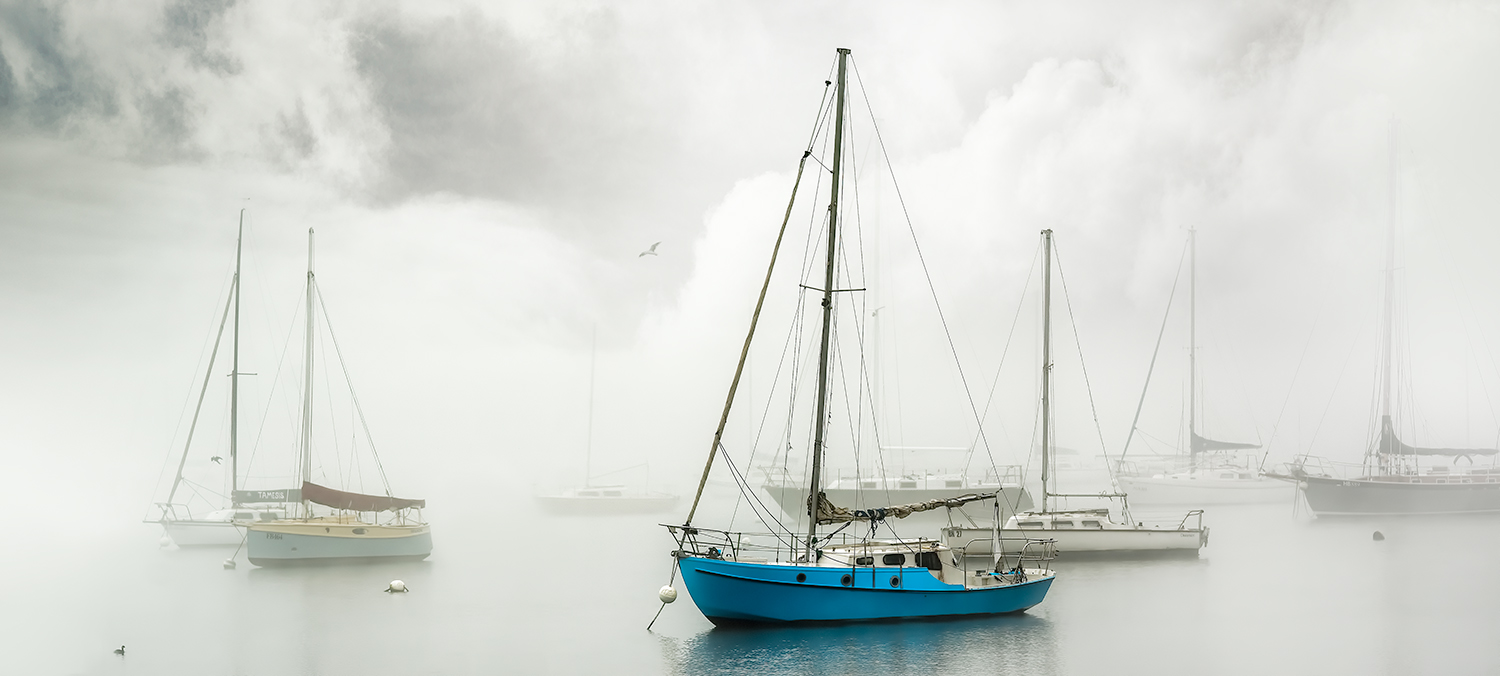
[[483, 177]]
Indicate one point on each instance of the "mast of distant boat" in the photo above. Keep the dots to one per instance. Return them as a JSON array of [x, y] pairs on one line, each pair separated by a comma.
[[1046, 367], [1192, 346], [815, 494], [234, 375], [1387, 358], [307, 385], [588, 443]]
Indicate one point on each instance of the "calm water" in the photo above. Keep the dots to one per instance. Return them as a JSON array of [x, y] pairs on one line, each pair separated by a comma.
[[533, 593]]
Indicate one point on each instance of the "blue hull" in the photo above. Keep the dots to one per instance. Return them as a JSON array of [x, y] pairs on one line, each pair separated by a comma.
[[733, 592]]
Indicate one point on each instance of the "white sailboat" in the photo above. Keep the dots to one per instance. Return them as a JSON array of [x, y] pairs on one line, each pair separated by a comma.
[[350, 526], [219, 527], [1078, 531], [1211, 476], [611, 498]]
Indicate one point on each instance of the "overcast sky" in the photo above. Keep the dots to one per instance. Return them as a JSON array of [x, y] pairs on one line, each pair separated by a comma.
[[483, 176]]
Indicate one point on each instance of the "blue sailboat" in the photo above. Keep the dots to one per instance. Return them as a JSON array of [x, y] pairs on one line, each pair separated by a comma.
[[821, 576]]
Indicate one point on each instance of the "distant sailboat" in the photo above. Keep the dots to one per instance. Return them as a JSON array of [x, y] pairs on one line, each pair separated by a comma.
[[825, 576], [1392, 479], [1082, 531], [344, 532], [221, 527], [597, 498], [1210, 477]]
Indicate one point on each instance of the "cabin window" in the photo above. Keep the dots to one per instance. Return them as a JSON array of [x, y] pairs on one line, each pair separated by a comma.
[[953, 483], [1091, 524], [1062, 524], [1442, 481], [1416, 481], [244, 515], [1226, 475], [589, 494], [908, 484], [611, 494], [867, 484], [1245, 476], [268, 516], [359, 531], [929, 560], [1468, 481], [1029, 524], [865, 561], [893, 559]]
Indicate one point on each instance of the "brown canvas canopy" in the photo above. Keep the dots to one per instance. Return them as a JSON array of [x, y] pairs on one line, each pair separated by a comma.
[[357, 502], [829, 513]]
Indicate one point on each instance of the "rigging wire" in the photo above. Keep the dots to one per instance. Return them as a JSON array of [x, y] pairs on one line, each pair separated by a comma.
[[353, 396], [1134, 423], [1073, 322], [911, 228], [1290, 389]]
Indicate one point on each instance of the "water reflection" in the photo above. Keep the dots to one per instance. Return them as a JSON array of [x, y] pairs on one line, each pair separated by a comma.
[[1021, 643]]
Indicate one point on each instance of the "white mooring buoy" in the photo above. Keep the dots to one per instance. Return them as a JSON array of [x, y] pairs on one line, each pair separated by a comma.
[[229, 564], [667, 594], [397, 586]]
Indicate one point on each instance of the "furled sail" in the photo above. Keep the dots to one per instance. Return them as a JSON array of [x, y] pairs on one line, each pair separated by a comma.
[[1202, 444], [1391, 445], [357, 502], [830, 513]]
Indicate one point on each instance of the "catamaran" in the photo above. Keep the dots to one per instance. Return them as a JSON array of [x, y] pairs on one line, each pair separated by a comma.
[[831, 576], [350, 528], [594, 497]]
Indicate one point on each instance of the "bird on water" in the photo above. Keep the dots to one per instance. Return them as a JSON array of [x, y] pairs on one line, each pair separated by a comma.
[[120, 650]]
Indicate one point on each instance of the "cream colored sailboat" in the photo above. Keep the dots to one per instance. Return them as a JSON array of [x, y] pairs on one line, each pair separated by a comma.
[[343, 527]]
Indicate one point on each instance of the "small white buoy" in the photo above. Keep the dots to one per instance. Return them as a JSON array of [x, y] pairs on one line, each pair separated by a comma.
[[397, 586], [229, 564], [165, 541], [667, 594]]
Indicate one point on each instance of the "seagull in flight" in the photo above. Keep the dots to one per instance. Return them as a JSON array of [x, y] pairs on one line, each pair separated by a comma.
[[216, 460], [651, 251]]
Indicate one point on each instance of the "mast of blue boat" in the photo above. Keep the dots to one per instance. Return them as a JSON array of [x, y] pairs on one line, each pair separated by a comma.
[[815, 494], [307, 377], [1046, 367]]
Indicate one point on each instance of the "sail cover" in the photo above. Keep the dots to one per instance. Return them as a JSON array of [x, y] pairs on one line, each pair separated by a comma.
[[1390, 445], [1201, 444], [830, 513], [357, 502]]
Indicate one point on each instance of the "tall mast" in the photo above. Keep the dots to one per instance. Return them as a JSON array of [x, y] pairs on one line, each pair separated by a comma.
[[815, 494], [234, 375], [1046, 365], [1387, 347], [1192, 343], [307, 375], [588, 444]]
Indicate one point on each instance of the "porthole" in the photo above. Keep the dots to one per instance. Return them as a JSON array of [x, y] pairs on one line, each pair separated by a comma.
[[895, 582], [801, 577], [359, 531], [846, 580]]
